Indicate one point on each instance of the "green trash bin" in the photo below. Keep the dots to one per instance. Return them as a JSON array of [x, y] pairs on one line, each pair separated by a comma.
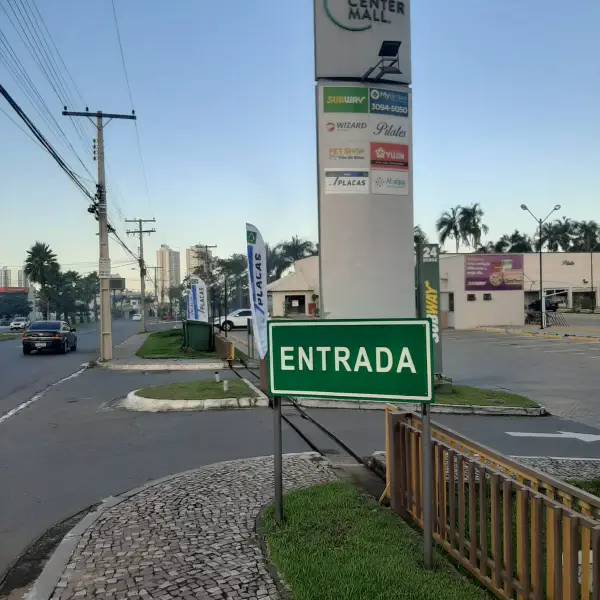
[[199, 336]]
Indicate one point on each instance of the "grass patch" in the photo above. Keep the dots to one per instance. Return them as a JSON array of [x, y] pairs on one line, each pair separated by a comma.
[[470, 396], [337, 544], [5, 337], [169, 344], [198, 390]]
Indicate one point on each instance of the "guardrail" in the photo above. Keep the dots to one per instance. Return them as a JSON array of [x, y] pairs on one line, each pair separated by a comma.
[[520, 532]]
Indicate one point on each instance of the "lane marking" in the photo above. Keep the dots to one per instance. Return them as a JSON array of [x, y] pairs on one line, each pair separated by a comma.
[[572, 435], [39, 395]]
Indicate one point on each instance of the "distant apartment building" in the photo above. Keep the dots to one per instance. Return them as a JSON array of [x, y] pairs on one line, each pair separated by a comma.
[[195, 257], [5, 278], [22, 279], [169, 271]]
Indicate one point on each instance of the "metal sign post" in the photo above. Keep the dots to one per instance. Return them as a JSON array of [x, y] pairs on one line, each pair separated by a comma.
[[427, 477], [278, 459]]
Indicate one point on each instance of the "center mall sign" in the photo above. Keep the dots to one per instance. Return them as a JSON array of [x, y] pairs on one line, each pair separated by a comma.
[[380, 360], [349, 34]]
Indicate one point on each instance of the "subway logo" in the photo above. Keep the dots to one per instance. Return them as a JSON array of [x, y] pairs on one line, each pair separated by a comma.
[[345, 100]]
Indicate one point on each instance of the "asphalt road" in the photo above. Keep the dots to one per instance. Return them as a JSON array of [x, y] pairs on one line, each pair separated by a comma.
[[22, 377]]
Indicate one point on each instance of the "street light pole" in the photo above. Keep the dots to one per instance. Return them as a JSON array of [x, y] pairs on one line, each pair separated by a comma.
[[540, 222]]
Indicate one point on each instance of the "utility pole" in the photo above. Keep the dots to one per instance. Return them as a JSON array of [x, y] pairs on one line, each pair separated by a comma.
[[141, 231], [104, 261]]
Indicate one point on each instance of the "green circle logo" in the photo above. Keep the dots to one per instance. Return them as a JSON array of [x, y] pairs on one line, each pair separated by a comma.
[[341, 25]]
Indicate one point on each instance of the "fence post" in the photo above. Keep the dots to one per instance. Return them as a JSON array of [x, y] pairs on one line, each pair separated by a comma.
[[426, 461]]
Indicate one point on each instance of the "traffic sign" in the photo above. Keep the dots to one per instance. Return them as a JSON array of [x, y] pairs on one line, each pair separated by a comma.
[[372, 359]]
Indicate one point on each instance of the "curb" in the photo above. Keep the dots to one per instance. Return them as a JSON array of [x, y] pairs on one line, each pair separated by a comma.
[[441, 409], [165, 367], [46, 583], [557, 336], [139, 403]]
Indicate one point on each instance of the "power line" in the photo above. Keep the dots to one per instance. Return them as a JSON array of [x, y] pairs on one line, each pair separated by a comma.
[[137, 132]]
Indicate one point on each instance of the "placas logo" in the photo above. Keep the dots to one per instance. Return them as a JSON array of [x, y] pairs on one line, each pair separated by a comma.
[[385, 129], [345, 100], [389, 156], [332, 126], [384, 182], [353, 15], [340, 181], [388, 102], [348, 153]]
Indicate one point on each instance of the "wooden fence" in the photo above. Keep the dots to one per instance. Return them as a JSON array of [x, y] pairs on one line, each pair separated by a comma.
[[520, 532]]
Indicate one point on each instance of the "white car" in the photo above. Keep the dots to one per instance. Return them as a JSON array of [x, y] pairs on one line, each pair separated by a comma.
[[19, 323], [136, 317], [237, 318]]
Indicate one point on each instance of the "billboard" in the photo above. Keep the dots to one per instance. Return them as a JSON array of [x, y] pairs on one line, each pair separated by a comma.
[[363, 40], [365, 200], [493, 272]]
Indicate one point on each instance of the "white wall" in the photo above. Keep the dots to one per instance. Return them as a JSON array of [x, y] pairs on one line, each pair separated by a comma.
[[505, 307]]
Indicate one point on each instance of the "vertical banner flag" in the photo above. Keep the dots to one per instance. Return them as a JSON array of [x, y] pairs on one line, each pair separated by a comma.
[[257, 286], [199, 299], [428, 270]]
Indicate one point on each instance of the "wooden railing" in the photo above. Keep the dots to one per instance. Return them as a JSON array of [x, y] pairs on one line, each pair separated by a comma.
[[520, 532]]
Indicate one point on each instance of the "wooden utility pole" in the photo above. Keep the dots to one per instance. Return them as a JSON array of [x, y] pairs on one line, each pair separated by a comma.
[[104, 260], [141, 231]]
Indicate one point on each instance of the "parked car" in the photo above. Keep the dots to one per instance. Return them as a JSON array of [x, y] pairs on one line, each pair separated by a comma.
[[551, 305], [136, 317], [5, 322], [237, 318], [49, 335], [19, 323]]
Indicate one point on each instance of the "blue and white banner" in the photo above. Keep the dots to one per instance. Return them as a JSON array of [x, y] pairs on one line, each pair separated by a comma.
[[198, 298], [188, 306], [257, 286]]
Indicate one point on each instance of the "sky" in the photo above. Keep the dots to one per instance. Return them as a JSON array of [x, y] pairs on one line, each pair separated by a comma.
[[505, 112]]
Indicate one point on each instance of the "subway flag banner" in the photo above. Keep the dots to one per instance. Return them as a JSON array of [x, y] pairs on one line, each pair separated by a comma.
[[386, 360]]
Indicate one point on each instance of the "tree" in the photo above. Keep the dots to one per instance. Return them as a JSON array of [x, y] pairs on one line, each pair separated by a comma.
[[448, 226], [175, 293], [551, 236], [88, 288], [419, 236], [586, 236], [488, 248], [276, 262], [41, 267], [515, 242], [471, 225], [14, 304], [296, 249]]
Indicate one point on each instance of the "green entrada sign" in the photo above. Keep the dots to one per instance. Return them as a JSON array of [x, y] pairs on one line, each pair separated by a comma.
[[375, 359]]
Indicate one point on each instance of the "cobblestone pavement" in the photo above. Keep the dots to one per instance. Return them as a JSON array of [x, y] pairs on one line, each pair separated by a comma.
[[189, 537]]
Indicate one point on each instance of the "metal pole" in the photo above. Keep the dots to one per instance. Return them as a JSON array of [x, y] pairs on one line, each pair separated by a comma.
[[427, 474], [542, 299], [105, 316], [278, 460], [226, 308], [592, 281]]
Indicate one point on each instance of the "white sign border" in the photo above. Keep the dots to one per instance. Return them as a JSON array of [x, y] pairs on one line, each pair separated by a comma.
[[343, 322]]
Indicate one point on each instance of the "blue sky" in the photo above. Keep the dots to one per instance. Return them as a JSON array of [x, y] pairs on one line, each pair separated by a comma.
[[505, 111]]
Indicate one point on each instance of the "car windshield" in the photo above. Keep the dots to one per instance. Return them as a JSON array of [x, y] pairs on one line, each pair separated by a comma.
[[45, 325], [20, 319]]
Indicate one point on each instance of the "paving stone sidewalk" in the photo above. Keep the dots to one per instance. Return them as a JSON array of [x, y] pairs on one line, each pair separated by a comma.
[[190, 536], [125, 359]]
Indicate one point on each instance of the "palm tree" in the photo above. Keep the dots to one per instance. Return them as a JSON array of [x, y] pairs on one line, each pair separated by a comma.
[[488, 248], [276, 263], [297, 249], [552, 236], [565, 226], [41, 267], [448, 226], [471, 225], [420, 237], [515, 242], [586, 236]]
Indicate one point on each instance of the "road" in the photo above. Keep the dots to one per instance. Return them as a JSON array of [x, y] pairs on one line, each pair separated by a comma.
[[22, 377]]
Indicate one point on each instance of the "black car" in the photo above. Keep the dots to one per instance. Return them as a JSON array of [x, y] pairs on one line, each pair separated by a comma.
[[551, 306], [49, 335]]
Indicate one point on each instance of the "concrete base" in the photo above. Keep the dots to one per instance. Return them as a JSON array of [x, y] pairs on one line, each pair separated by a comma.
[[139, 403]]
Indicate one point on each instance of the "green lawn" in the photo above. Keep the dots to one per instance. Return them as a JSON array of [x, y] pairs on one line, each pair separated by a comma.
[[470, 396], [336, 544], [198, 390], [168, 344], [5, 337]]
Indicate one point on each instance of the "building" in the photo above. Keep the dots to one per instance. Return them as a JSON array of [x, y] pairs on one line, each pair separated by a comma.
[[479, 290], [5, 278], [168, 271], [22, 279], [298, 292], [196, 257]]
